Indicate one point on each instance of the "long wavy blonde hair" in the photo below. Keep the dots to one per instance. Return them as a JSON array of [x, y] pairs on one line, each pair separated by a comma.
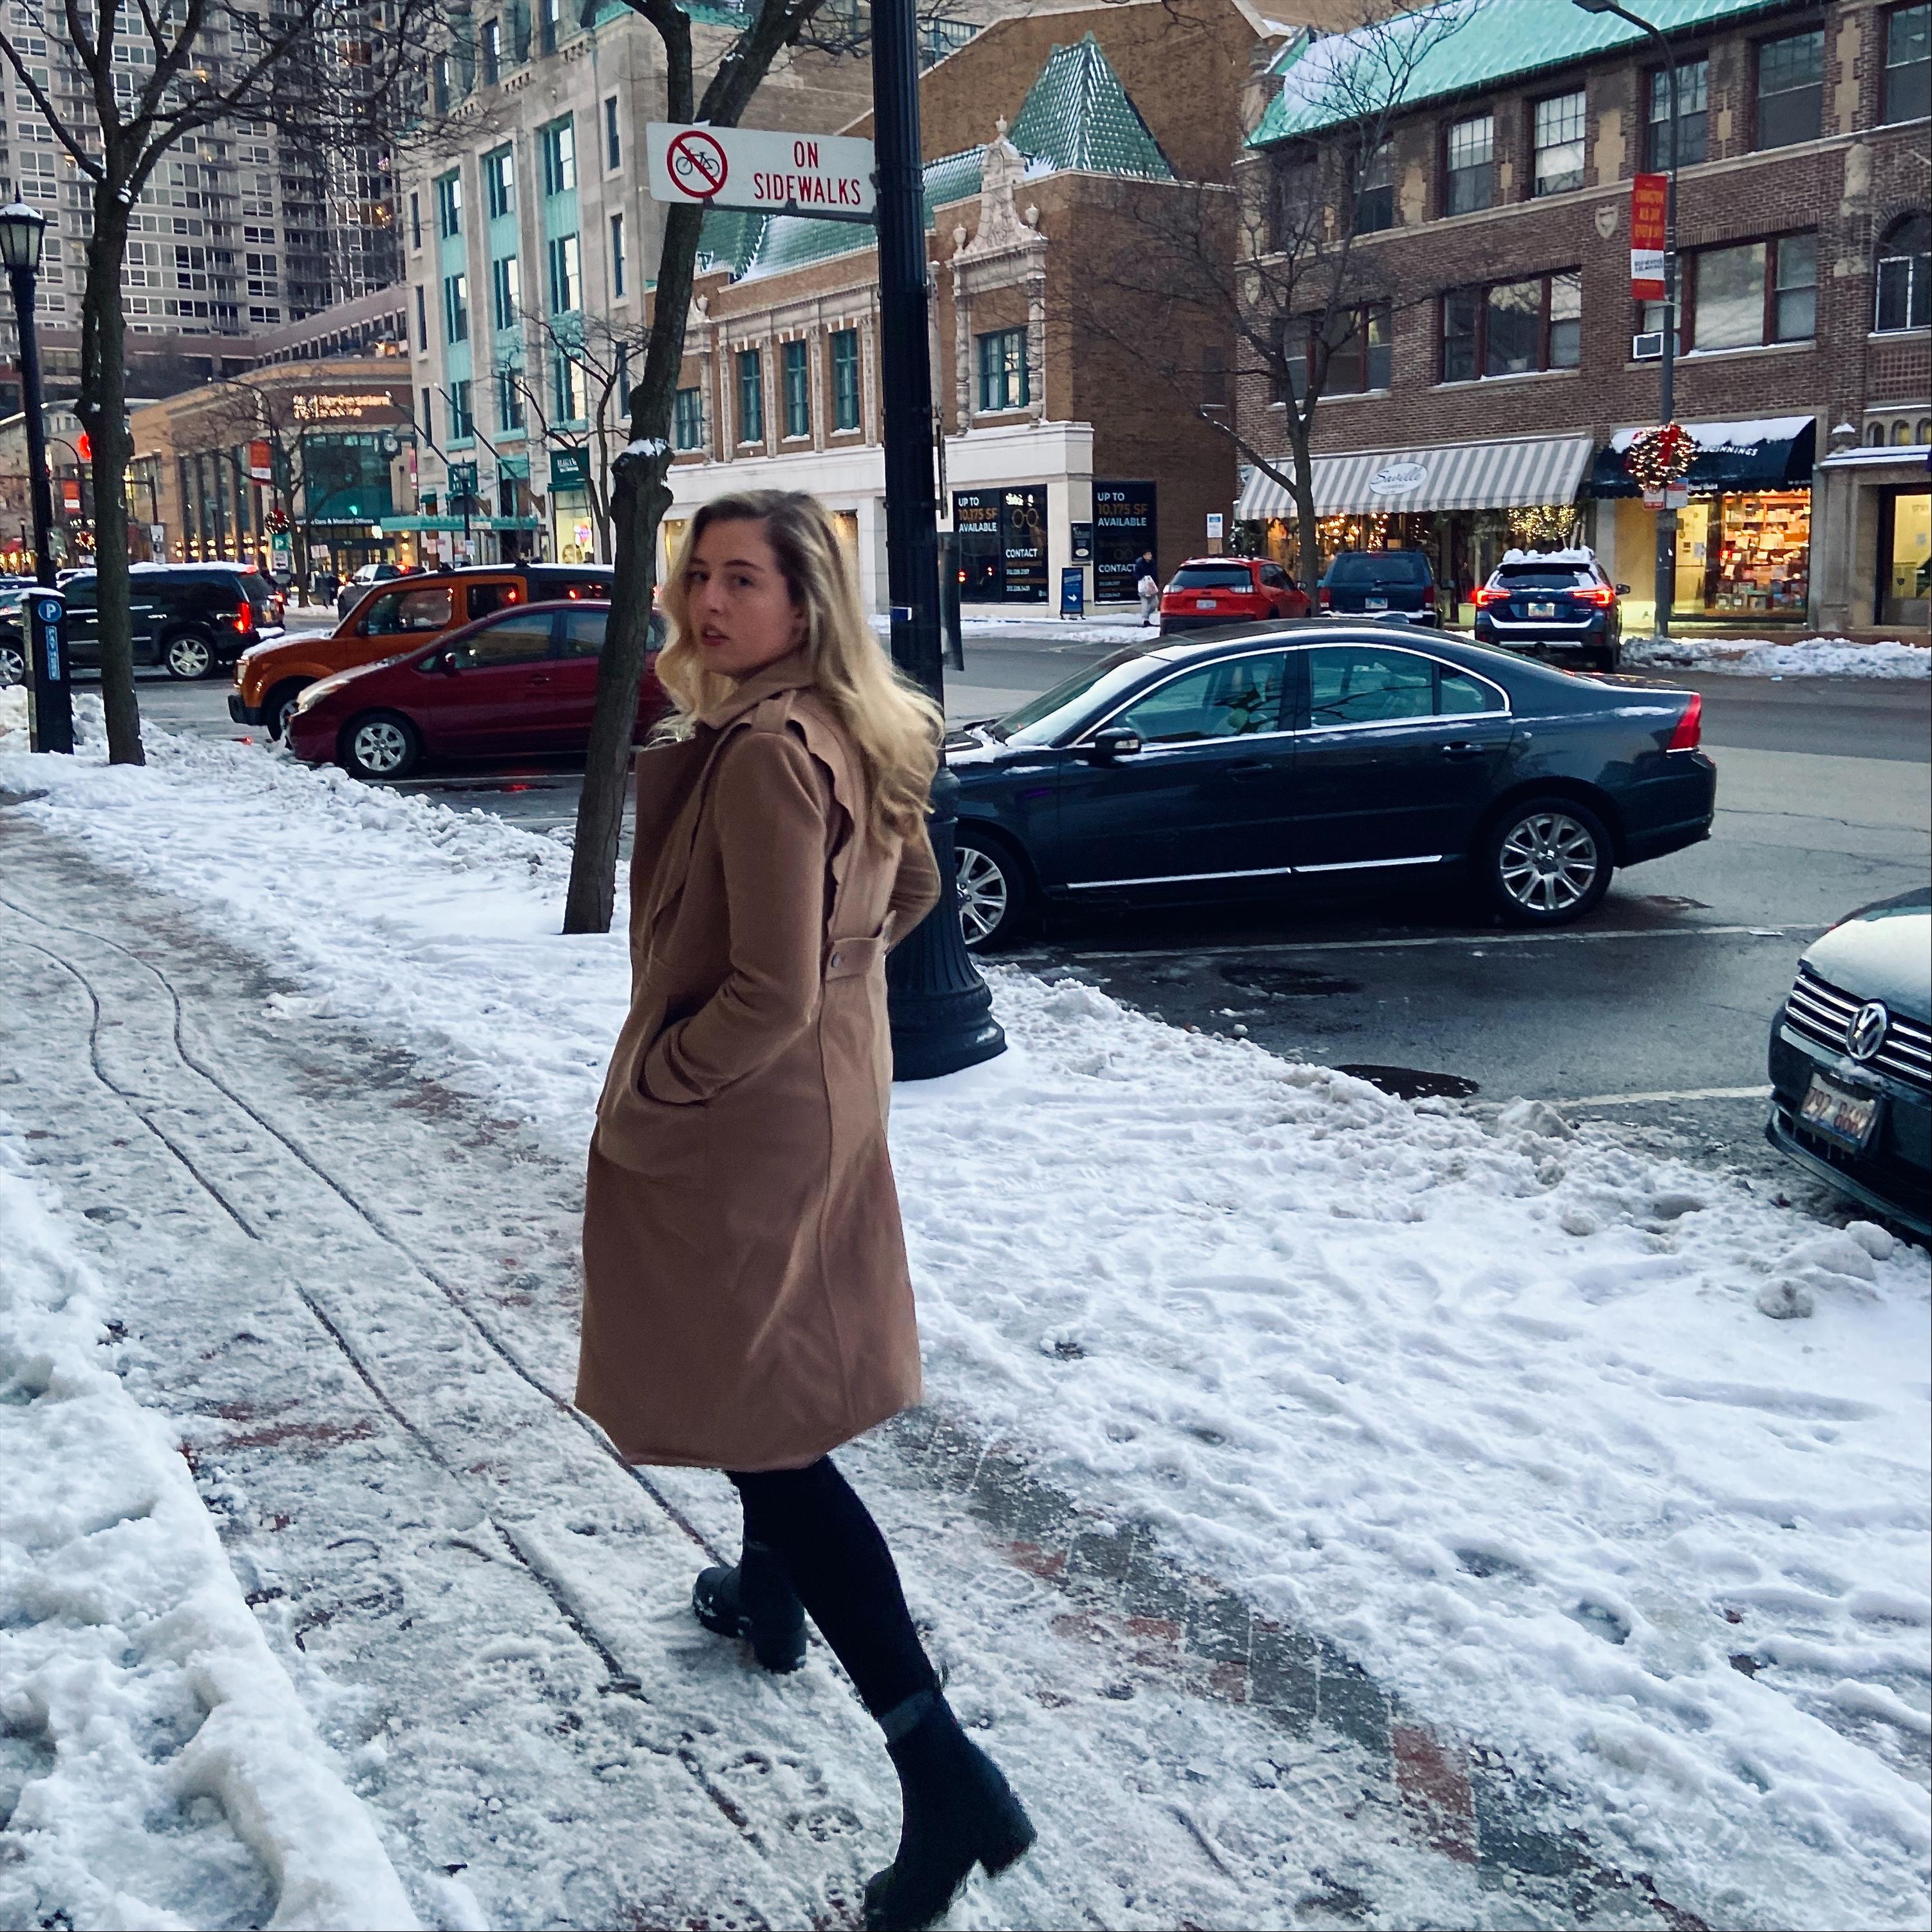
[[894, 728]]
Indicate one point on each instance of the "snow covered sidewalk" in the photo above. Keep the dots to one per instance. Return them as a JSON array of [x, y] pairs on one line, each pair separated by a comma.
[[156, 1765], [1608, 1467]]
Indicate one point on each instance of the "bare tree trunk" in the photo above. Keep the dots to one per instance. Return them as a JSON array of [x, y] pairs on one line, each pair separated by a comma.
[[103, 409], [640, 497], [1301, 435]]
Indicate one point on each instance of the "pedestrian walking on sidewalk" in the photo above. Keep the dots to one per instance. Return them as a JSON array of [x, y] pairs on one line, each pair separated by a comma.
[[1147, 589], [747, 1306]]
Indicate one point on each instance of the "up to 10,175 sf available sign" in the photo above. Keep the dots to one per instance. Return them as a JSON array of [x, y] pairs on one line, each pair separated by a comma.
[[829, 175]]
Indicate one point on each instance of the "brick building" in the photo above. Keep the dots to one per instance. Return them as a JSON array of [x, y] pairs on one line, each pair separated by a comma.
[[1501, 365], [1058, 449]]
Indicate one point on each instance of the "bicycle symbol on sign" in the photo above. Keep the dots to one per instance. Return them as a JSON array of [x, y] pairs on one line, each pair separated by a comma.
[[698, 165]]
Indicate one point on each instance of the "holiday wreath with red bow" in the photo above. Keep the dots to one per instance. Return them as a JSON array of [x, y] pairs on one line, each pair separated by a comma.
[[1657, 458]]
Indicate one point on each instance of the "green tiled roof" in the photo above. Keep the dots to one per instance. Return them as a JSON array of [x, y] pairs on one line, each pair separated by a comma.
[[729, 238], [797, 240], [1330, 81], [1077, 115]]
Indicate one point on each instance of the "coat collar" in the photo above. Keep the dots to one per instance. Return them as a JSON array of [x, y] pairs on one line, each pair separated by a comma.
[[792, 672]]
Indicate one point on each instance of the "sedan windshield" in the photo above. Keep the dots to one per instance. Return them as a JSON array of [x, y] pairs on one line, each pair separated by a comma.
[[1053, 713]]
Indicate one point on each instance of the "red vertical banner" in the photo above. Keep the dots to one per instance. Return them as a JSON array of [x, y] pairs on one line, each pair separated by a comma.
[[1649, 199]]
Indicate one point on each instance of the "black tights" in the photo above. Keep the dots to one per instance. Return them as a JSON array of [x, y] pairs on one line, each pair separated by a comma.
[[826, 1543]]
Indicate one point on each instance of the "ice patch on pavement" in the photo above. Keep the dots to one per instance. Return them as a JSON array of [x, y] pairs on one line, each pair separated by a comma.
[[1764, 657], [156, 1769], [1501, 1413]]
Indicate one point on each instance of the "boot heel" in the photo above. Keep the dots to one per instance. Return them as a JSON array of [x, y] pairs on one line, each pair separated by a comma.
[[1012, 1836]]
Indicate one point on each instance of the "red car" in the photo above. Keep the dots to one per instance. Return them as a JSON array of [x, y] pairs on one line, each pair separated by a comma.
[[522, 680], [1209, 590]]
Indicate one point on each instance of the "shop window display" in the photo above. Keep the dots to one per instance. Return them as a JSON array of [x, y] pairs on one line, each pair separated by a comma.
[[1740, 554], [1905, 562]]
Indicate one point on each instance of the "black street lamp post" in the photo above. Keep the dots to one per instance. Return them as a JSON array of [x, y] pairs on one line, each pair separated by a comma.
[[23, 230], [1666, 585], [942, 1013]]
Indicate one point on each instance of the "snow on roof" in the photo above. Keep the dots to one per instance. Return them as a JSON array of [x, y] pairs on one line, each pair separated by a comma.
[[1728, 435], [1582, 554], [1457, 48]]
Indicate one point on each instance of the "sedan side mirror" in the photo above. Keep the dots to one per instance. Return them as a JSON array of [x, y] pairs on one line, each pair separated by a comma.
[[446, 663], [1117, 741], [1623, 589]]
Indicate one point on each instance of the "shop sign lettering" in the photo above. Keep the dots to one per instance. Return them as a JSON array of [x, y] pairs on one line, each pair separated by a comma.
[[1398, 479]]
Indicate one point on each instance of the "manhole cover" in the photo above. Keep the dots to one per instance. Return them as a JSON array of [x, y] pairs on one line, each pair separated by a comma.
[[1285, 983], [1411, 1083]]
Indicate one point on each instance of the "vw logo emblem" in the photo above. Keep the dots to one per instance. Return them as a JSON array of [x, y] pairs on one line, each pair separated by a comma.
[[1866, 1033]]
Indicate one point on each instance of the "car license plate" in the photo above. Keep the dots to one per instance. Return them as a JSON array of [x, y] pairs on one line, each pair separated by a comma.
[[1543, 610], [1374, 603], [1837, 1113], [1205, 604]]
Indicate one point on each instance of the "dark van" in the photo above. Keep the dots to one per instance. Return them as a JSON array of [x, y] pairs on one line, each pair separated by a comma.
[[1394, 585]]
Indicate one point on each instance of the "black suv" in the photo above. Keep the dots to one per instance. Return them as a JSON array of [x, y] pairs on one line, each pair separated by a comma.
[[1557, 600], [190, 618], [1392, 586]]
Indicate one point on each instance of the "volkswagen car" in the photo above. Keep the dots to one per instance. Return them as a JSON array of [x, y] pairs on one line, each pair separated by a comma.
[[1851, 1060], [1260, 761]]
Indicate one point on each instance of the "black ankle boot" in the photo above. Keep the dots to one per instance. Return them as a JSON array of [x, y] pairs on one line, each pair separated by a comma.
[[959, 1812], [753, 1599]]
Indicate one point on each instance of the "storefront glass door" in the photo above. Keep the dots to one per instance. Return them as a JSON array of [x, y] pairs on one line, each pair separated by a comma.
[[1905, 562]]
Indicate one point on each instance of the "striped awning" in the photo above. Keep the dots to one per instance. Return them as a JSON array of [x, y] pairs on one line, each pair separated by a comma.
[[1452, 476]]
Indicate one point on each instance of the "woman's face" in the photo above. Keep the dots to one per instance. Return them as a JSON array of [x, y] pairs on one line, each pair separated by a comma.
[[740, 607]]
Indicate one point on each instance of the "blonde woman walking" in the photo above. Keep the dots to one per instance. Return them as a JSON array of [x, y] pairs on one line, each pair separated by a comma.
[[747, 1306]]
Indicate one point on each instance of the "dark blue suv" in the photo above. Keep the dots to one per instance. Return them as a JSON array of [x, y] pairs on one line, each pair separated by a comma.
[[1388, 585]]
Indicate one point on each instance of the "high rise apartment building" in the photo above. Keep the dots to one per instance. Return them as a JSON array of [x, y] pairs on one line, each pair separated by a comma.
[[244, 226]]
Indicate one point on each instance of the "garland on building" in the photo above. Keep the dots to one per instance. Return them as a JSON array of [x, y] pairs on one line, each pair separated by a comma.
[[277, 521], [1657, 458], [1542, 526]]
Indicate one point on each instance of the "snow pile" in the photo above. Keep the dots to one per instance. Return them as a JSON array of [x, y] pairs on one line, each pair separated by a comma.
[[1611, 1464], [1042, 621], [1763, 657], [156, 1766]]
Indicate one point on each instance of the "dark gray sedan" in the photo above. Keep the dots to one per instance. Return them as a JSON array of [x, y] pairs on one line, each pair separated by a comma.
[[1237, 766], [1851, 1060]]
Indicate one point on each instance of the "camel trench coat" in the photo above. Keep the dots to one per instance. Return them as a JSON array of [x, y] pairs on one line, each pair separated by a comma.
[[746, 1301]]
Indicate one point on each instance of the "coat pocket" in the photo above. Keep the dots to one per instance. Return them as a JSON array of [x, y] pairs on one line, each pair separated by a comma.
[[650, 1136]]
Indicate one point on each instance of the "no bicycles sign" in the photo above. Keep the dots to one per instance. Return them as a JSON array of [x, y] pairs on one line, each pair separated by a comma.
[[827, 175]]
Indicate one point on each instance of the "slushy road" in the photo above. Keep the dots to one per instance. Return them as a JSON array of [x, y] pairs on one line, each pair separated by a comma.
[[1650, 1015]]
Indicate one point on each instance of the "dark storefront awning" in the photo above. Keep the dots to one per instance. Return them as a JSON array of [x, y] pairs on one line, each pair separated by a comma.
[[1770, 453], [1448, 476]]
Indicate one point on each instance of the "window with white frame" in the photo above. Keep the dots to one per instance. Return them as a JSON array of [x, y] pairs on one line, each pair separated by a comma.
[[1560, 124]]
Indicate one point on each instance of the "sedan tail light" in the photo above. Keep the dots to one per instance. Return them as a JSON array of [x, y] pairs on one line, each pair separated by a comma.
[[1689, 733]]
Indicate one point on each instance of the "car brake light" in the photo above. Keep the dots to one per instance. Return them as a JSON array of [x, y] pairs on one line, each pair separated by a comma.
[[1327, 599], [1487, 594], [1689, 733], [245, 618], [1596, 593]]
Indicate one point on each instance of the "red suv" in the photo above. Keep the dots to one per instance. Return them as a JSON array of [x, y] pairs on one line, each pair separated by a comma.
[[1228, 590], [522, 680]]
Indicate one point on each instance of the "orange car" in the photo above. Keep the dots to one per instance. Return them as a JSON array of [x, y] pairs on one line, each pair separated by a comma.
[[395, 616]]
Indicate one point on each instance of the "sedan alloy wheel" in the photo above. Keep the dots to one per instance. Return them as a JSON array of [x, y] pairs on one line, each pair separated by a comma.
[[382, 745], [1551, 864], [993, 891]]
